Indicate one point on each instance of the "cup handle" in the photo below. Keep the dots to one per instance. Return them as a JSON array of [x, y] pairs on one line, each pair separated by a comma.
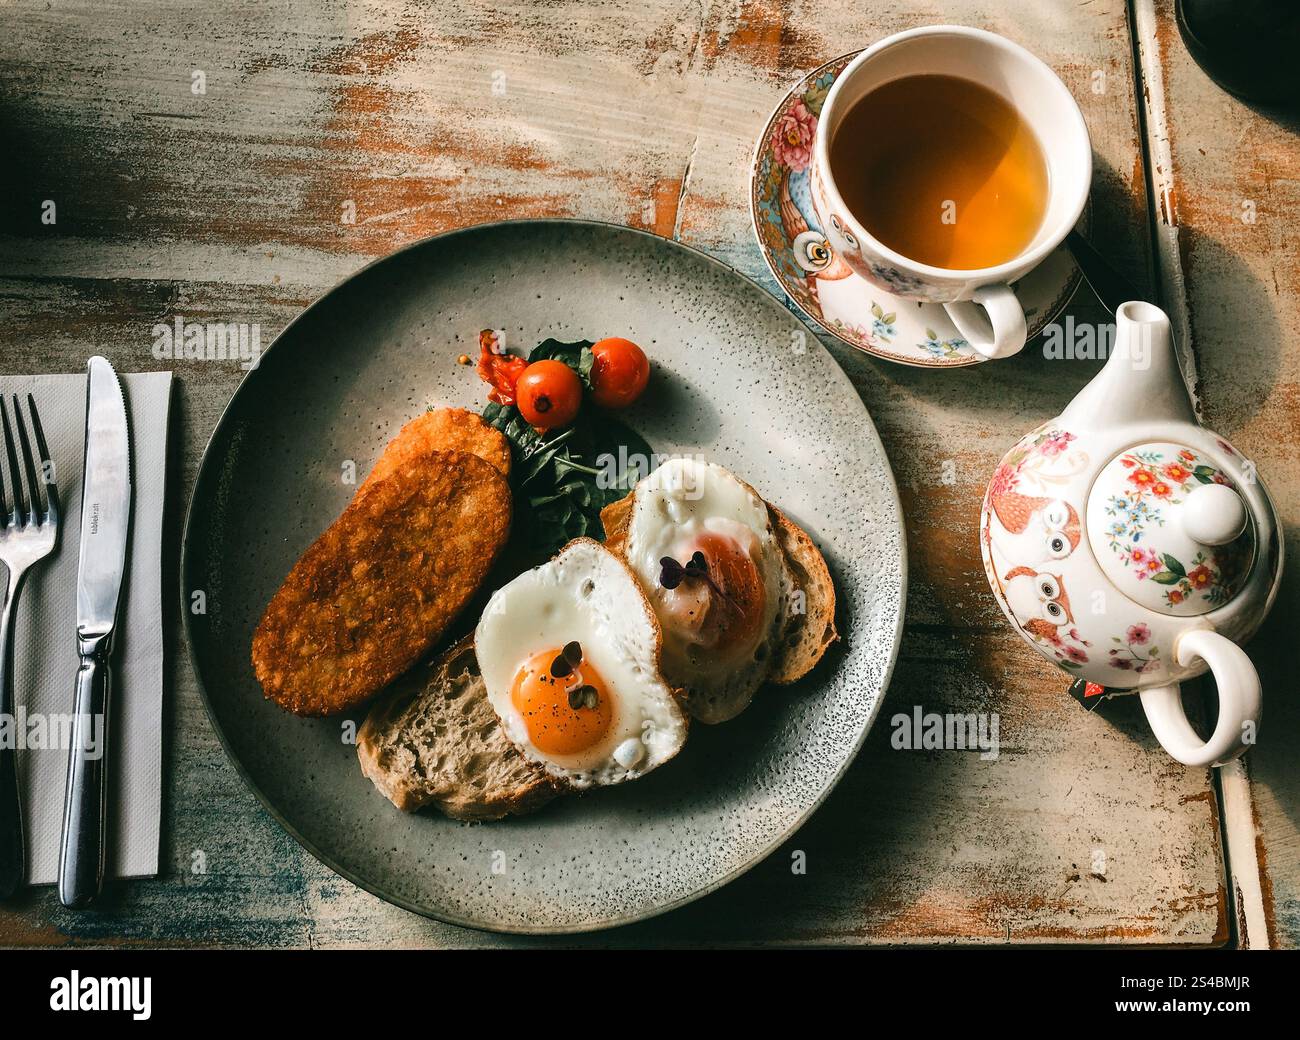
[[992, 321], [1240, 702]]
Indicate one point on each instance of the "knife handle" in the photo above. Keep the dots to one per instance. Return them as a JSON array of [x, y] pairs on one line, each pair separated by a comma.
[[81, 853]]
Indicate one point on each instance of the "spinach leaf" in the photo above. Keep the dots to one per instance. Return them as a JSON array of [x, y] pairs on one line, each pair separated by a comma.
[[576, 355], [563, 480]]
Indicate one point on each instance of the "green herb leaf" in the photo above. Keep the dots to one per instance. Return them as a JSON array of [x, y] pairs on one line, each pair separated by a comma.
[[562, 480], [576, 355]]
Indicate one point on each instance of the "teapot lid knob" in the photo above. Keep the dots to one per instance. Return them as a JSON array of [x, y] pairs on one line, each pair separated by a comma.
[[1170, 529], [1214, 514]]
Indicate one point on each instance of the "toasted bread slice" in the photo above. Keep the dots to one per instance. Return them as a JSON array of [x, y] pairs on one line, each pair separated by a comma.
[[615, 518], [811, 631], [374, 592], [435, 740], [443, 429]]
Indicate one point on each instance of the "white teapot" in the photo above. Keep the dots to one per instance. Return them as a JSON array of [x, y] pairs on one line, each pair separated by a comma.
[[1135, 548]]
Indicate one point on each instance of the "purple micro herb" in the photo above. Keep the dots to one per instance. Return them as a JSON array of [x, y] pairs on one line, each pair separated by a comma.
[[672, 573], [567, 659]]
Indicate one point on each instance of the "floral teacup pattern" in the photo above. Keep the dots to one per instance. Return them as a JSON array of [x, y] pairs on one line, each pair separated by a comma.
[[874, 316]]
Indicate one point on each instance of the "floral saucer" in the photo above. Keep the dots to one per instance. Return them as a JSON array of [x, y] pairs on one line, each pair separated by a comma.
[[823, 287]]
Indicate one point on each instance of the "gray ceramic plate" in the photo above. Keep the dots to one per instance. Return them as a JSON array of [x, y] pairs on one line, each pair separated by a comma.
[[737, 378]]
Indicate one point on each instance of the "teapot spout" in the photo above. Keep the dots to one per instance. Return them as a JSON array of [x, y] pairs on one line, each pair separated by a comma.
[[1141, 381]]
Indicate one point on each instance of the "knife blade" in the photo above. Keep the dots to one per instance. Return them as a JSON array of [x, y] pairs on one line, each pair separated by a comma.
[[105, 524]]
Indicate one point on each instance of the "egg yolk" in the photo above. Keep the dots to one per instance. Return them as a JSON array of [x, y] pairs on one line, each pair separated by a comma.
[[726, 611], [542, 699]]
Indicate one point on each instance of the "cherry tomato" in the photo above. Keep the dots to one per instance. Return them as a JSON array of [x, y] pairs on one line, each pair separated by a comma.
[[548, 394], [620, 372]]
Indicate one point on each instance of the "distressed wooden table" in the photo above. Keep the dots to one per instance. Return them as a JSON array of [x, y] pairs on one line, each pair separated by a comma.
[[1229, 195], [206, 161]]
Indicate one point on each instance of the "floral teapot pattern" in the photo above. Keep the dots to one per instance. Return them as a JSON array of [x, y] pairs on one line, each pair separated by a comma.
[[1135, 549]]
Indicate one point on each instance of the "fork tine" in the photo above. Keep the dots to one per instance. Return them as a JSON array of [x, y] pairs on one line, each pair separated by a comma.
[[32, 483], [18, 513], [48, 474]]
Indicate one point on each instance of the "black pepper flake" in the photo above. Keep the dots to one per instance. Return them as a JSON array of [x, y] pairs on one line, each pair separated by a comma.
[[560, 667], [573, 652]]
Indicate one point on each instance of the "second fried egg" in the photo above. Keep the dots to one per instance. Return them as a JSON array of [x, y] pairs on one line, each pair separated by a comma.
[[702, 545]]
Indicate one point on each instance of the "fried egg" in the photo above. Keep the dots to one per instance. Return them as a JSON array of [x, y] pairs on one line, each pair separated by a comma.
[[569, 654], [701, 543]]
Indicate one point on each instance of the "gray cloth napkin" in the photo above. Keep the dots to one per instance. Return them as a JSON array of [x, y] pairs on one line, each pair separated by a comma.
[[46, 647]]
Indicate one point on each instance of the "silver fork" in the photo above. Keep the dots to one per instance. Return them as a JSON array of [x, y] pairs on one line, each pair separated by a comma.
[[28, 534]]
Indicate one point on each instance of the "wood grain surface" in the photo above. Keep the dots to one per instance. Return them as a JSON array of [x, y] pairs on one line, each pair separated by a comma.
[[1235, 198], [230, 205]]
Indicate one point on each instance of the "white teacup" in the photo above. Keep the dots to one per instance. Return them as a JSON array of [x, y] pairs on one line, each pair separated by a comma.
[[980, 302]]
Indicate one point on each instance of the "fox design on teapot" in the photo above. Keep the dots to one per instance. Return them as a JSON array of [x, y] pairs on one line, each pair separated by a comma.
[[1029, 534], [1028, 524], [1039, 603], [1035, 529]]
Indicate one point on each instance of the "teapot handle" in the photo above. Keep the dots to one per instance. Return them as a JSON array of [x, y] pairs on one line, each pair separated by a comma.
[[1240, 702]]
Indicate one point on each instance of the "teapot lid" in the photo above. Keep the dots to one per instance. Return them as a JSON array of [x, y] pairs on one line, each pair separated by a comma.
[[1170, 529]]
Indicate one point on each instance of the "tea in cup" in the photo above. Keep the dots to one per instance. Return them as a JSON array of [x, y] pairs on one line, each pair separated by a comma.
[[948, 163]]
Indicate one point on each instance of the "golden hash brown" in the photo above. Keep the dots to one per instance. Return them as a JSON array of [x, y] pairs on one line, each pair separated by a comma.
[[443, 429], [377, 589]]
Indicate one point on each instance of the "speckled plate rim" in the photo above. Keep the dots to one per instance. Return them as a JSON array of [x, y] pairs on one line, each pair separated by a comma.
[[208, 463], [1048, 314]]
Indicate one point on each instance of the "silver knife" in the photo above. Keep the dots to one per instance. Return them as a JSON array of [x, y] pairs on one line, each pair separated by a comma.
[[105, 522]]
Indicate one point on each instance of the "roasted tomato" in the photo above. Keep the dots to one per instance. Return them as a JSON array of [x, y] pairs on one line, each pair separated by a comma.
[[549, 394], [498, 369], [619, 373]]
